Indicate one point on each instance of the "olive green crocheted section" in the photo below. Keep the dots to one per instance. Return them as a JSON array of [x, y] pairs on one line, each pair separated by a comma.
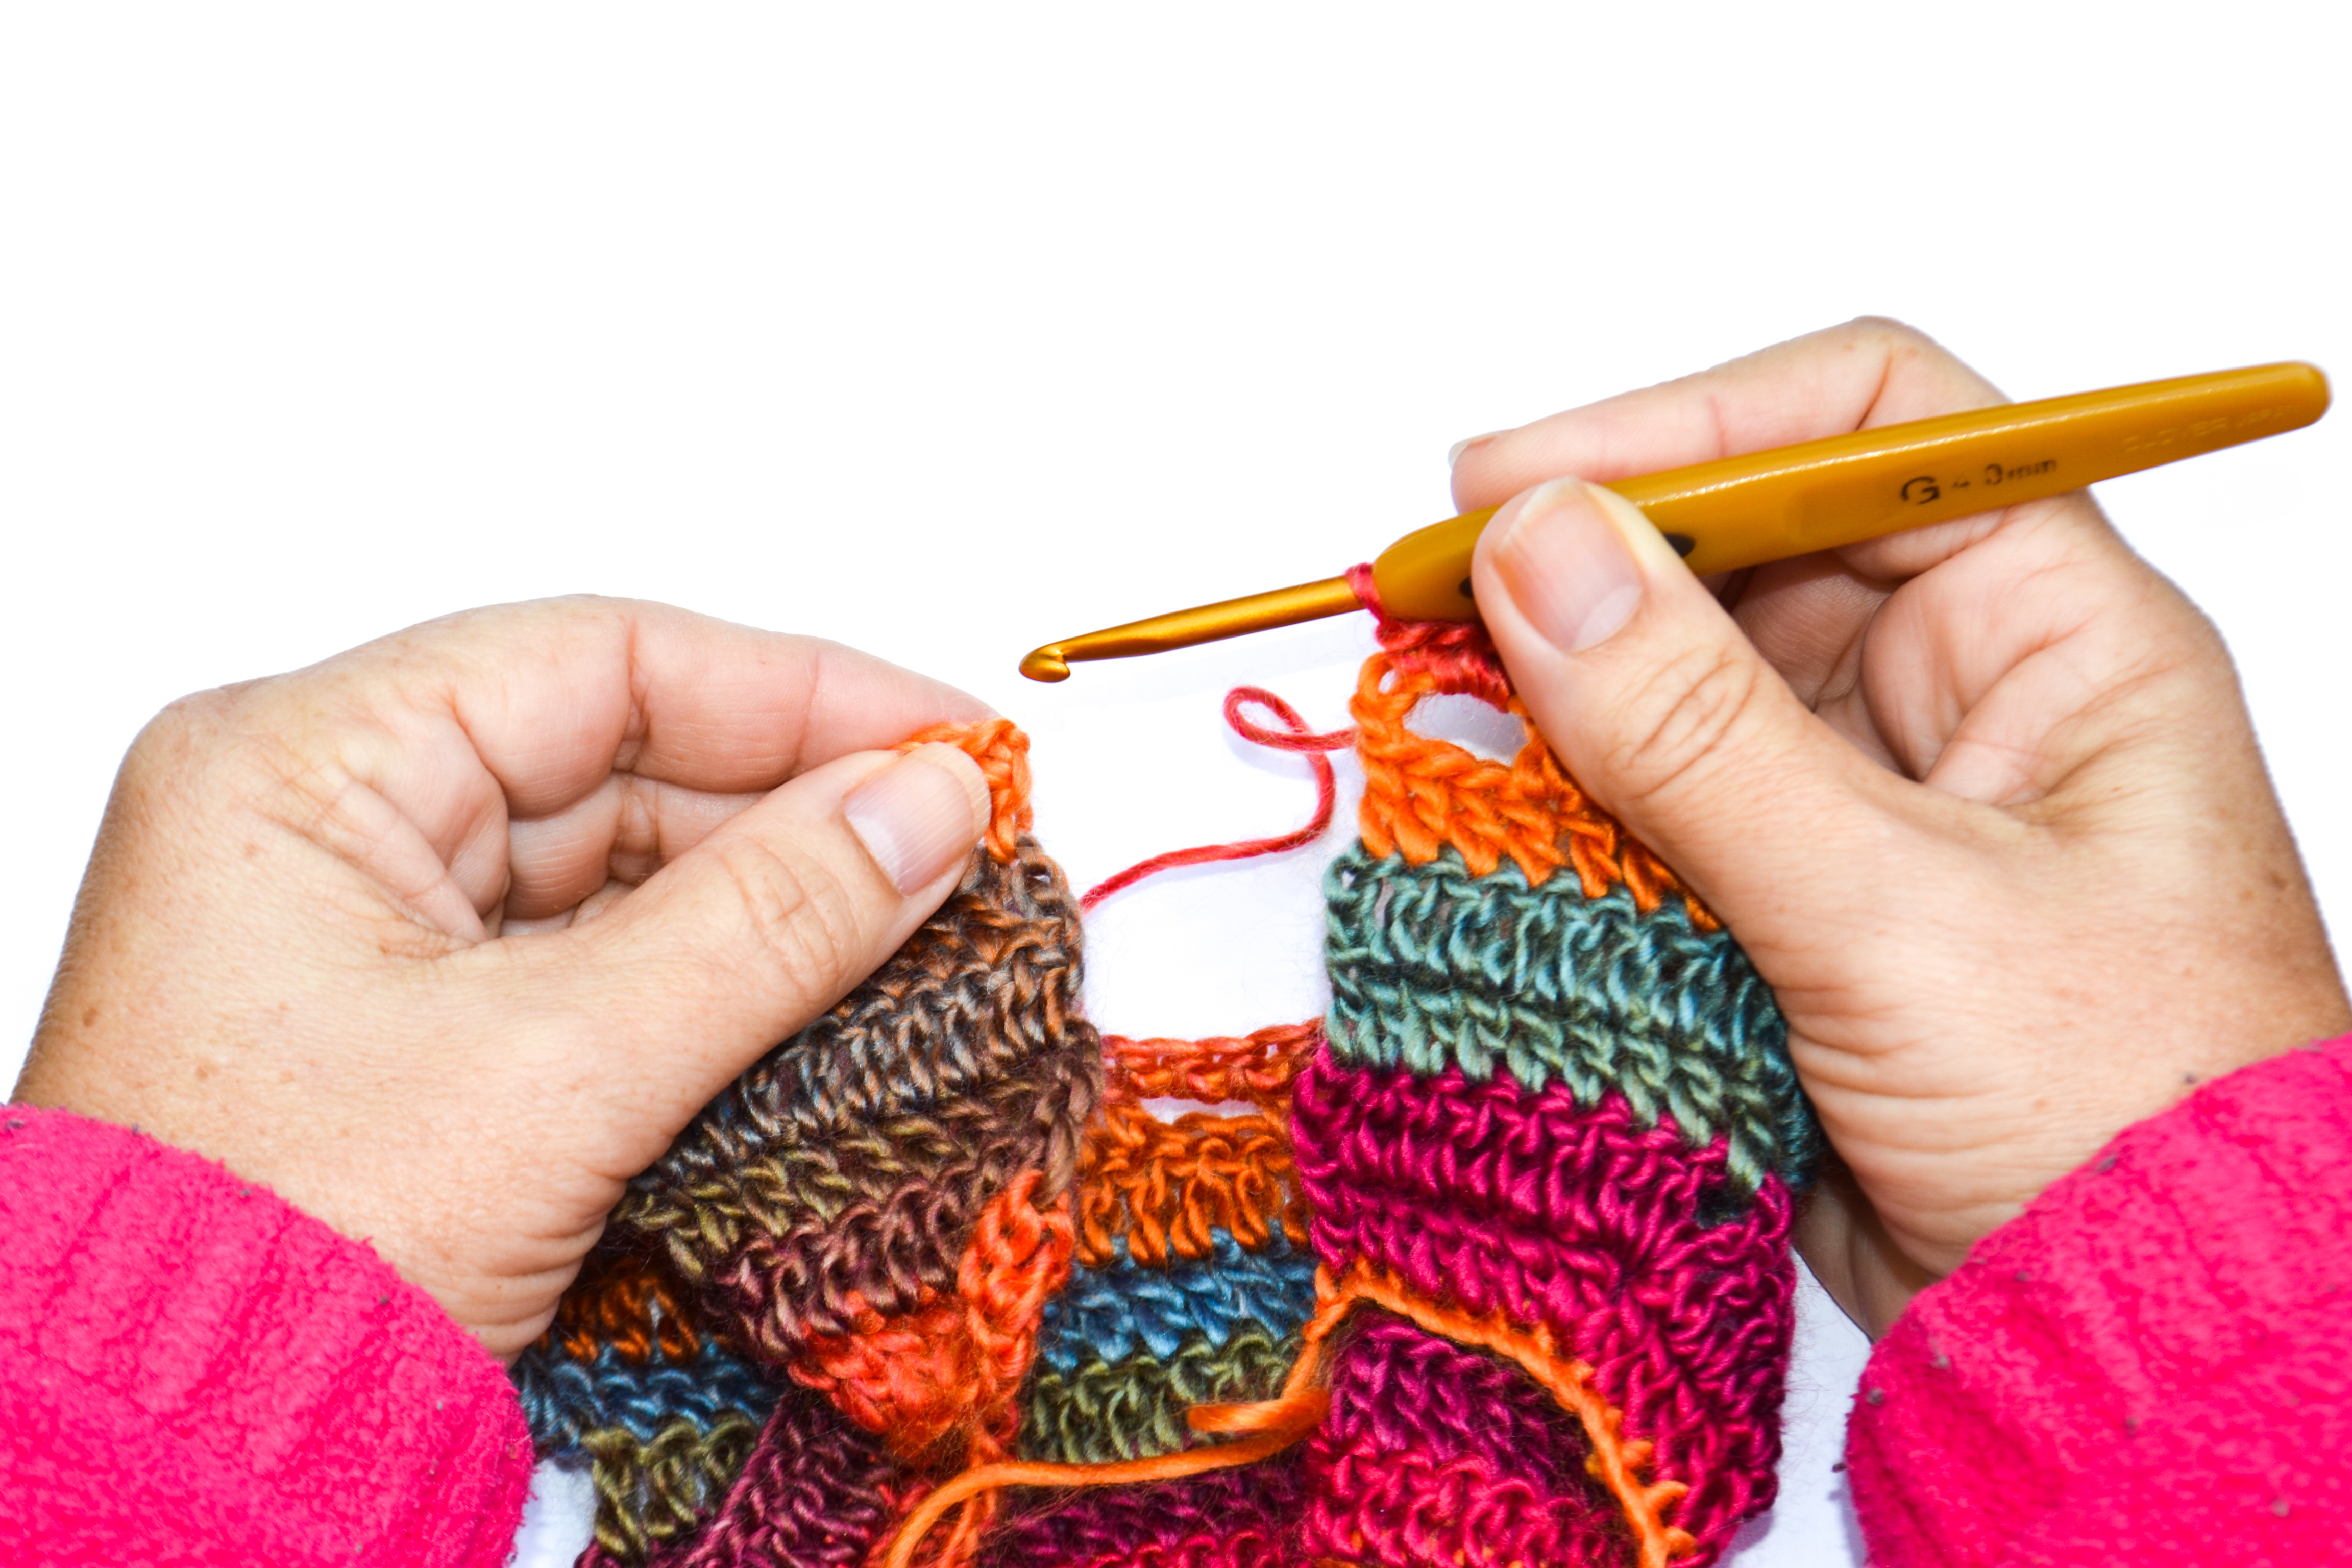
[[659, 1490], [1134, 1407]]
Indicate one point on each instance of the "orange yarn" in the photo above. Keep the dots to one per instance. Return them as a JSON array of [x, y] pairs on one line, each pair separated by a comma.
[[1279, 1421], [628, 1303], [1256, 1067], [906, 1378], [1281, 1424], [1001, 749], [954, 1364], [1167, 1185], [1614, 1462], [1422, 793]]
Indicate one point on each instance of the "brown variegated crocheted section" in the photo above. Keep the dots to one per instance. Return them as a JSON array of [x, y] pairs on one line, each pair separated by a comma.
[[841, 1176]]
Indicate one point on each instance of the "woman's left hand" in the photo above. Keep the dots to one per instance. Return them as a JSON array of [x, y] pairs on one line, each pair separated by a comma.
[[448, 937]]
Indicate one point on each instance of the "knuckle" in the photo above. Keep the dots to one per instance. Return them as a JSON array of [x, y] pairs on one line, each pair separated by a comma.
[[798, 918], [1895, 342], [182, 725], [187, 742], [1676, 722], [1889, 329]]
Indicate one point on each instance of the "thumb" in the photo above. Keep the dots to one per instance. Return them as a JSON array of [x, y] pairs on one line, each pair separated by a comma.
[[759, 929], [1658, 704]]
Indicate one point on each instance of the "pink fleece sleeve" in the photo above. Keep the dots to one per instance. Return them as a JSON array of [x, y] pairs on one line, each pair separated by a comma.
[[2152, 1364], [192, 1371]]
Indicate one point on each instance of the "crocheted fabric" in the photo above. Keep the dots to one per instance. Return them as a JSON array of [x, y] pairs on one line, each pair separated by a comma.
[[1494, 1271]]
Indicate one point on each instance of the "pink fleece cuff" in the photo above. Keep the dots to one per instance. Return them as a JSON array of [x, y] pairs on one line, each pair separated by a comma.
[[2152, 1364], [192, 1372]]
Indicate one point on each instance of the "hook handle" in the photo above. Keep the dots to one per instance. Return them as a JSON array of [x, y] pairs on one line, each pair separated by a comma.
[[1793, 500]]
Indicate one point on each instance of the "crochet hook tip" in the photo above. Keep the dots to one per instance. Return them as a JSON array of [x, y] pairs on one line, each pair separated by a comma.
[[1189, 629], [1046, 664]]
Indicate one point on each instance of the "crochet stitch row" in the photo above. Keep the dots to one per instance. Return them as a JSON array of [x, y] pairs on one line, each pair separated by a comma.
[[1434, 968]]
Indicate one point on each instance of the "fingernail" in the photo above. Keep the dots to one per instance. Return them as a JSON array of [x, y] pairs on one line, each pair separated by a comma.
[[1454, 453], [920, 814], [1568, 568]]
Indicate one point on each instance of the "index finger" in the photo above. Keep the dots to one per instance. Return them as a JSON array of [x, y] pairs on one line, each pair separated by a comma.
[[1865, 373], [556, 694]]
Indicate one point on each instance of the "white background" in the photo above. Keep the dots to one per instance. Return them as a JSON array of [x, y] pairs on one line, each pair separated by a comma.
[[944, 330]]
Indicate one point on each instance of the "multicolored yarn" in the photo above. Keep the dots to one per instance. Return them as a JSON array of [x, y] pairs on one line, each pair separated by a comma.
[[1495, 1274], [1193, 1277], [868, 1223], [1434, 969], [1557, 1120]]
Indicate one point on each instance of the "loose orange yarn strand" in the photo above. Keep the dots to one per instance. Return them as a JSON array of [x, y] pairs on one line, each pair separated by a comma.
[[1614, 1462], [1300, 1407], [1301, 1418]]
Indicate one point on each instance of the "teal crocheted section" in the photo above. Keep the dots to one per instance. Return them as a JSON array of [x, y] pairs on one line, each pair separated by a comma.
[[1432, 967]]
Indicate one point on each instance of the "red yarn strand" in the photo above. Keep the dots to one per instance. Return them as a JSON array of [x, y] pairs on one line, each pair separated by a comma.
[[1299, 739]]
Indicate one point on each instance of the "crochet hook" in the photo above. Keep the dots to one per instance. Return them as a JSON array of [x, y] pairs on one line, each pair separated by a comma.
[[1793, 500]]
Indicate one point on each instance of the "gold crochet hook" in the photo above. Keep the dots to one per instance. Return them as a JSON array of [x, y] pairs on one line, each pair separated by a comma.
[[1793, 500]]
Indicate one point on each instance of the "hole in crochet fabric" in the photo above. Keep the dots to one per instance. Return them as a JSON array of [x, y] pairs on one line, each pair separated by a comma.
[[1481, 731], [1176, 1110]]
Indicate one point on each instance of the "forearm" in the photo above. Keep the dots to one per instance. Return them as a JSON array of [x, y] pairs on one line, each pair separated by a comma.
[[191, 1371], [2146, 1363]]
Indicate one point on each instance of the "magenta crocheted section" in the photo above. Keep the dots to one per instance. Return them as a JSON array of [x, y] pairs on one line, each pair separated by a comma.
[[1436, 1454], [1635, 1249]]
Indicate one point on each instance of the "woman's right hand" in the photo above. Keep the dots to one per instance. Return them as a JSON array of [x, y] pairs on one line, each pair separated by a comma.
[[1981, 801]]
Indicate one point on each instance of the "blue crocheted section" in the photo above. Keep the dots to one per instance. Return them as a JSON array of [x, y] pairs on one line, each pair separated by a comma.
[[1432, 967], [1107, 1314], [563, 1399]]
